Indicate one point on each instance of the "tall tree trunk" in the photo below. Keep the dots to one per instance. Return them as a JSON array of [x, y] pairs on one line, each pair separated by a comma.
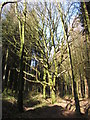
[[11, 79], [86, 88], [87, 44], [74, 83], [44, 91], [3, 63], [52, 89], [82, 85], [65, 28], [8, 79], [44, 86], [21, 84], [5, 69], [6, 58], [21, 79], [6, 76]]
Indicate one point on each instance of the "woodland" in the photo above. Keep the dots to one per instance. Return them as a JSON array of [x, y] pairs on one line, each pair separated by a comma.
[[45, 59]]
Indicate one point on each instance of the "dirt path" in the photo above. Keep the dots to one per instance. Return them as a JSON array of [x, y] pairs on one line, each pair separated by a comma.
[[51, 111], [59, 110]]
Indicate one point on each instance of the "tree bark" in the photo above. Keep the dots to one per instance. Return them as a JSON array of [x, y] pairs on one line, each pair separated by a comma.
[[65, 28], [21, 84]]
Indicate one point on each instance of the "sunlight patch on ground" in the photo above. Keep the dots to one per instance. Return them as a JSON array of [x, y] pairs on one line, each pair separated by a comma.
[[66, 113], [67, 104]]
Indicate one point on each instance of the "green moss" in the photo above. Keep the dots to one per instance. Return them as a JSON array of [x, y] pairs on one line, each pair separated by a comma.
[[53, 97]]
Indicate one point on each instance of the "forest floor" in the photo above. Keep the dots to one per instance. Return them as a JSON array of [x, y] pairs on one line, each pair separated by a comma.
[[37, 107]]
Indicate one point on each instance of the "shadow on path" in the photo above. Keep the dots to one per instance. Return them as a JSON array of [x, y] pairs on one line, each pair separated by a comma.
[[10, 111]]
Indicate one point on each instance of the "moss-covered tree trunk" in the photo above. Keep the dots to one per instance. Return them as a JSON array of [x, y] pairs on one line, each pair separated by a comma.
[[52, 94], [44, 86], [44, 91], [52, 89], [5, 71], [21, 83], [21, 79]]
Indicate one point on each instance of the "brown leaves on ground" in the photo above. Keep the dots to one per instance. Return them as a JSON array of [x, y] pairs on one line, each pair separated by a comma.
[[63, 109]]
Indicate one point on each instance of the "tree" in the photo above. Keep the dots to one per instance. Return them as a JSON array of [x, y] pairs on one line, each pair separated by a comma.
[[65, 29], [86, 24], [21, 54], [45, 51]]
